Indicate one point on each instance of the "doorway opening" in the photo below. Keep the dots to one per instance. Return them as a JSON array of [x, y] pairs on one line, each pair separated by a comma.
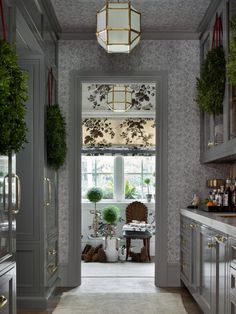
[[118, 160]]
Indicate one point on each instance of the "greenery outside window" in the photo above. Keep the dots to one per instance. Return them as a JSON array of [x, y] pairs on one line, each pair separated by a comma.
[[120, 178], [136, 170]]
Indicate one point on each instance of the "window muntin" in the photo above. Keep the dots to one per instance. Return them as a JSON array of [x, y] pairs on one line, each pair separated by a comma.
[[99, 171]]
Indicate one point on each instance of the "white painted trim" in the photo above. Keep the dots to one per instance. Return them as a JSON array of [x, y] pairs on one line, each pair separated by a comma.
[[161, 249]]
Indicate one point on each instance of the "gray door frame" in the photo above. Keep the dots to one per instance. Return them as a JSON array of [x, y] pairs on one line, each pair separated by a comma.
[[75, 118]]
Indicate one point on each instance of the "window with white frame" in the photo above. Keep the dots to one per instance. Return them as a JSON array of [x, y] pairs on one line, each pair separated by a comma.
[[120, 177]]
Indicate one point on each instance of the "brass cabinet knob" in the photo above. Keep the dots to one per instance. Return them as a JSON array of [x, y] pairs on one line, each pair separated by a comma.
[[52, 252], [210, 144], [52, 268], [211, 245], [3, 301], [184, 265], [220, 238], [193, 226]]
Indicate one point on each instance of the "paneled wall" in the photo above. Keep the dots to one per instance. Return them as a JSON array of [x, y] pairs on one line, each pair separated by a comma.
[[185, 174]]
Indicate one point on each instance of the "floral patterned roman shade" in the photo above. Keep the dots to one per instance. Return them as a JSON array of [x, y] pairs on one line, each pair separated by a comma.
[[114, 135]]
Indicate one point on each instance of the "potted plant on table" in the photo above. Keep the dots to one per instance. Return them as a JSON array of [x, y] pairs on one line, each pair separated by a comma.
[[148, 195], [111, 215], [95, 195]]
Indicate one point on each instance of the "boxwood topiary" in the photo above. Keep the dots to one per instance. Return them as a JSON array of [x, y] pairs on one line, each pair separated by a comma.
[[111, 214], [13, 94], [56, 137], [94, 195], [211, 84]]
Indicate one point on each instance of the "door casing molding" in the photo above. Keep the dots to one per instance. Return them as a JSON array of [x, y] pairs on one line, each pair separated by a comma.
[[75, 116]]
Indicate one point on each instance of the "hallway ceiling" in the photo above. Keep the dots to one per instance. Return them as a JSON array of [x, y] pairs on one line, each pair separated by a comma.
[[79, 16]]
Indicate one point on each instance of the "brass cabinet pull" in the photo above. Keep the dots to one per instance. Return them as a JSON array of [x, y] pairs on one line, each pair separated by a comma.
[[220, 238], [193, 226], [18, 195], [184, 265], [52, 252], [52, 268], [210, 144], [211, 245], [3, 301], [4, 192], [49, 195]]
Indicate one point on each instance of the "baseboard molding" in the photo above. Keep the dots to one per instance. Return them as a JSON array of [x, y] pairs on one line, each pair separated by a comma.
[[37, 302], [173, 275]]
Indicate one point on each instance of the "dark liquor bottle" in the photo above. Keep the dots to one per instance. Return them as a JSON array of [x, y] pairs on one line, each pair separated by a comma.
[[227, 197], [234, 194]]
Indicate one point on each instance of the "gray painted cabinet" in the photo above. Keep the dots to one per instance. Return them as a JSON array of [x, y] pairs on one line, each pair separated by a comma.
[[208, 275], [37, 237], [218, 133]]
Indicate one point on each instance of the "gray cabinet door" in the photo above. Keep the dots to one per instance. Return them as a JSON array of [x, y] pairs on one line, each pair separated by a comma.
[[8, 292], [206, 268], [220, 273], [189, 253], [4, 216], [9, 194]]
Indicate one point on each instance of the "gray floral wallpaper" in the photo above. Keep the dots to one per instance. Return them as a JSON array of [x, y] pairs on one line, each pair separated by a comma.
[[185, 174]]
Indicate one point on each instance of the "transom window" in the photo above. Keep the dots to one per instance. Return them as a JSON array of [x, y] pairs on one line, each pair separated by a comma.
[[119, 177]]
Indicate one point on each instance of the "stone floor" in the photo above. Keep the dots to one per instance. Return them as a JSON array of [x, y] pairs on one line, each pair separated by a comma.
[[120, 277]]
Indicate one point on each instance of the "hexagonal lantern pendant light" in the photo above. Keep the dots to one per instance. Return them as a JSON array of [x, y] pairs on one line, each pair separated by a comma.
[[118, 27], [119, 98]]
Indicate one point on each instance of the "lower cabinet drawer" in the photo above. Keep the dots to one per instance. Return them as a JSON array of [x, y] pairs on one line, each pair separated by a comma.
[[8, 292], [232, 307]]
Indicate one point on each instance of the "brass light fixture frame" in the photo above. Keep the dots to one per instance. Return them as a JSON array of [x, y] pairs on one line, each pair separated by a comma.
[[107, 29]]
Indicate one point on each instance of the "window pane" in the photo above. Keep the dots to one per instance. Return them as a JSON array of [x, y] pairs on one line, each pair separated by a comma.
[[105, 164], [88, 164], [149, 164], [133, 186], [98, 171], [133, 164], [88, 181], [105, 182]]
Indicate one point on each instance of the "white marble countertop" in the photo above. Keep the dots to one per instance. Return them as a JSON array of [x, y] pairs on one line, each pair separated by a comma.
[[226, 225]]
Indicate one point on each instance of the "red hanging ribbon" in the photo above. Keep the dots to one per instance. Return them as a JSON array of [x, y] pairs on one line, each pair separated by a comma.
[[50, 87], [3, 21], [217, 32]]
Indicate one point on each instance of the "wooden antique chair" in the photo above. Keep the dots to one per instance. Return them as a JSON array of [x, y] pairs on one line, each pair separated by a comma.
[[137, 211]]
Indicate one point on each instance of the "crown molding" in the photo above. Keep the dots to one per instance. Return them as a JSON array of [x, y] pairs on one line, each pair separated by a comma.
[[145, 36], [48, 8]]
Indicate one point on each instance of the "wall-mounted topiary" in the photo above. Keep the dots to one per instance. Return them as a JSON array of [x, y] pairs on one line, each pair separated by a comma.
[[56, 137], [13, 94], [211, 84], [231, 66]]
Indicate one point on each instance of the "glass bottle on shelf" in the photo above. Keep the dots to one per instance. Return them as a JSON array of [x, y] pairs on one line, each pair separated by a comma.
[[227, 197]]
